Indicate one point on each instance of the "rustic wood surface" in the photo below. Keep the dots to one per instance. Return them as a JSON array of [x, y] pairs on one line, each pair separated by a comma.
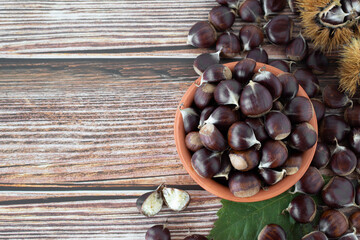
[[88, 94]]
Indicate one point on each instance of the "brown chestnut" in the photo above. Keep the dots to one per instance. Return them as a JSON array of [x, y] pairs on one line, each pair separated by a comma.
[[354, 140], [203, 95], [311, 183], [277, 106], [228, 93], [333, 127], [193, 142], [205, 114], [277, 125], [251, 37], [322, 156], [206, 163], [343, 161], [308, 81], [244, 160], [158, 232], [258, 127], [222, 17], [196, 237], [258, 54], [271, 176], [272, 232], [242, 137], [225, 167], [338, 192], [281, 64], [244, 184], [228, 44], [299, 109], [190, 119], [250, 11], [290, 86], [354, 220], [317, 62], [223, 117], [303, 137], [216, 73], [244, 70], [319, 108], [333, 98], [352, 115], [333, 223], [273, 6], [297, 49], [205, 60], [315, 235], [273, 154], [302, 208], [202, 35], [293, 163], [279, 30], [270, 81], [212, 138], [349, 236]]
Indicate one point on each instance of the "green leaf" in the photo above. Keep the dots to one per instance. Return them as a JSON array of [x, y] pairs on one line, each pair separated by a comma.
[[245, 220]]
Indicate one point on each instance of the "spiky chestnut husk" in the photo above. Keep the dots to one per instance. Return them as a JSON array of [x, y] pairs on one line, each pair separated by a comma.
[[324, 35], [349, 67]]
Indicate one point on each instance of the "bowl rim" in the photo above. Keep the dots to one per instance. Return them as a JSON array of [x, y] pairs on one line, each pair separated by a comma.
[[216, 188]]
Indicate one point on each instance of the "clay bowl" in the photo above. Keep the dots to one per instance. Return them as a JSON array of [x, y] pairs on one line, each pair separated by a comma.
[[223, 191]]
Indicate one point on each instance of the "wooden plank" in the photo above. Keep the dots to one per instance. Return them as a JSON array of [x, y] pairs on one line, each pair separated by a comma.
[[109, 28], [97, 215]]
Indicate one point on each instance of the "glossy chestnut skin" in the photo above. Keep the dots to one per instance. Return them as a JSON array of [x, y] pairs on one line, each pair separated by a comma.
[[352, 115], [205, 60], [255, 100], [319, 108], [244, 184], [203, 95], [293, 163], [158, 232], [338, 192], [290, 86], [212, 138], [349, 236], [206, 163], [223, 117], [259, 55], [302, 208], [333, 98], [222, 17], [322, 156], [273, 6], [202, 35], [270, 81], [193, 142], [229, 45], [357, 195], [272, 232], [205, 114], [258, 127], [271, 176], [281, 64], [343, 161], [277, 106], [229, 3], [277, 125], [299, 109], [244, 70], [274, 154], [333, 127], [311, 183], [279, 30], [354, 221], [190, 118], [225, 167], [251, 37], [250, 11], [196, 237], [244, 160], [228, 93], [354, 140], [241, 137], [303, 137], [308, 81], [216, 73], [315, 235], [317, 62], [333, 223], [297, 49]]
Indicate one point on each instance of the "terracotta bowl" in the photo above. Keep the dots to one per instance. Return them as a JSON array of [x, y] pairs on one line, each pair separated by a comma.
[[223, 191]]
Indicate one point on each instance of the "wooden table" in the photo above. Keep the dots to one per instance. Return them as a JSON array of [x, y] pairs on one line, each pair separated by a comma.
[[88, 94]]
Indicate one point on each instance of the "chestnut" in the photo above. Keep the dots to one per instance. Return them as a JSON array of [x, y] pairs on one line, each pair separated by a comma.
[[206, 163], [281, 64], [277, 106], [202, 35], [273, 6], [204, 95], [250, 11], [297, 49], [302, 208], [333, 98], [333, 128], [343, 161], [354, 140], [270, 81], [279, 30], [150, 203], [308, 81], [322, 156], [222, 17], [271, 176], [258, 54], [352, 115], [216, 73], [315, 235], [196, 237], [311, 183], [158, 232], [333, 223], [354, 220], [303, 137], [244, 70], [228, 93], [255, 100], [293, 163], [273, 154], [205, 60], [244, 184], [258, 127], [242, 137], [212, 138], [223, 117], [338, 192], [225, 167], [349, 236], [176, 199], [272, 232], [290, 86], [190, 119], [277, 125], [319, 108], [251, 37], [357, 195], [193, 142], [299, 109], [244, 160], [228, 44], [205, 114], [317, 62]]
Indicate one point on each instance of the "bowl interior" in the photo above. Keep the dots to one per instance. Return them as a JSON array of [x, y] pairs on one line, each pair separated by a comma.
[[218, 189]]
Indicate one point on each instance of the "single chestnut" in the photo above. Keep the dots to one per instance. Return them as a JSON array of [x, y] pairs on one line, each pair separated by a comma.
[[279, 30], [333, 128], [204, 94], [303, 137], [222, 17], [270, 81], [290, 86], [250, 11], [241, 137], [308, 81], [244, 70], [354, 140], [311, 183], [258, 54], [338, 192], [297, 49], [225, 167], [299, 109], [205, 60], [193, 142], [206, 163], [190, 119], [315, 235], [271, 176], [343, 161], [228, 93], [244, 160], [333, 98], [216, 73], [228, 44], [255, 100], [281, 64], [176, 199], [322, 156], [354, 221], [251, 37], [230, 3], [202, 35], [349, 236], [272, 232], [352, 115], [319, 108], [205, 114], [223, 117], [293, 163], [273, 6], [212, 138], [302, 208], [158, 232], [244, 184], [273, 154], [317, 62], [196, 237], [277, 125], [333, 223], [150, 203], [258, 127]]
